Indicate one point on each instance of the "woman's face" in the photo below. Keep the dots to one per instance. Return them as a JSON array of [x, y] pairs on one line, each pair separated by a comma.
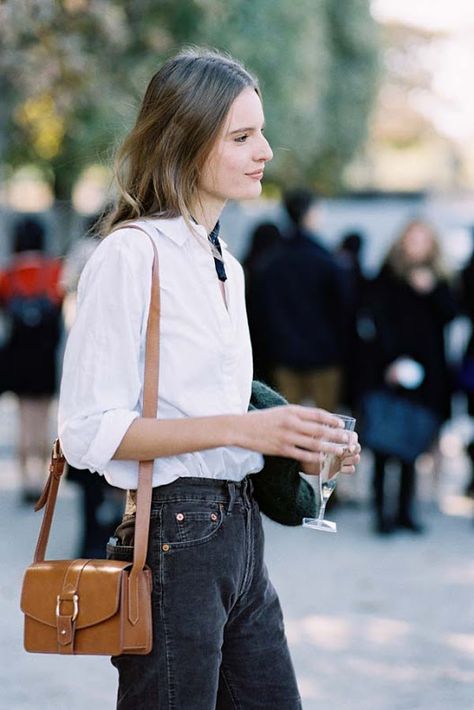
[[418, 244], [235, 166]]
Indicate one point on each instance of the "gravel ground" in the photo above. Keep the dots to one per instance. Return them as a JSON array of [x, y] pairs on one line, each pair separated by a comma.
[[373, 624]]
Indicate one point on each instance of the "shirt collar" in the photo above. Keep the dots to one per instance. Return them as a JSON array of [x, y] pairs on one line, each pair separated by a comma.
[[174, 227], [177, 230]]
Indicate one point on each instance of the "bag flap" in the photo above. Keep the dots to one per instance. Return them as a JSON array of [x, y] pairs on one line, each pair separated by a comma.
[[98, 591]]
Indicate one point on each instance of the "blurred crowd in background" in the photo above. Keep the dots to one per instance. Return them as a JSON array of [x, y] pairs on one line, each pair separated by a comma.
[[323, 333], [353, 299]]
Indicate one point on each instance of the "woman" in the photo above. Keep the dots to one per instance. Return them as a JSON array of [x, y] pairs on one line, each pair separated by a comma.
[[410, 303], [30, 297], [218, 635]]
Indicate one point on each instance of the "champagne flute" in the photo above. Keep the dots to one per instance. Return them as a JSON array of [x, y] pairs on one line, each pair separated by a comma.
[[327, 482]]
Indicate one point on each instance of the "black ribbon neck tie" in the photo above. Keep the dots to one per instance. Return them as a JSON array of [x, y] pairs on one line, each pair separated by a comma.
[[219, 264]]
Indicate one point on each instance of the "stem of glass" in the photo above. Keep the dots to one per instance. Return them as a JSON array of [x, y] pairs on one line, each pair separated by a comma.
[[322, 503]]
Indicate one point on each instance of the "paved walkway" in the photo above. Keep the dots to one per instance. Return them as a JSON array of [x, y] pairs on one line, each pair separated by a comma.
[[373, 624]]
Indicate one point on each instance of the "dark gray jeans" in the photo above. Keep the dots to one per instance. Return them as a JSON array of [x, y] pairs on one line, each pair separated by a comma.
[[218, 636]]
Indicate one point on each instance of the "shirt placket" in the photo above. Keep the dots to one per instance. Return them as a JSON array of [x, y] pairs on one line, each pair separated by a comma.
[[226, 331]]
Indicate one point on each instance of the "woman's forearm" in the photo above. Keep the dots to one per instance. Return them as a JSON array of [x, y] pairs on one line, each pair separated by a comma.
[[301, 433], [148, 439]]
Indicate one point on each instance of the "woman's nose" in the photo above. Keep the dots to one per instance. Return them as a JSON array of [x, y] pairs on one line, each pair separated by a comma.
[[265, 152]]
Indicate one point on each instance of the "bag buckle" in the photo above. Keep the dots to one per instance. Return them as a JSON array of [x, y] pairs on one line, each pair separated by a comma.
[[75, 606]]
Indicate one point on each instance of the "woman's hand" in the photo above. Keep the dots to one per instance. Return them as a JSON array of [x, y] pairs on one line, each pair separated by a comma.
[[346, 464], [351, 457], [422, 279], [295, 432]]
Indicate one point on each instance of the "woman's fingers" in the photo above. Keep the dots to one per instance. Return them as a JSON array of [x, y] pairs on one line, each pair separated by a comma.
[[316, 445], [348, 469], [317, 431], [321, 416], [349, 453], [303, 433], [302, 455], [353, 452], [324, 432], [351, 461]]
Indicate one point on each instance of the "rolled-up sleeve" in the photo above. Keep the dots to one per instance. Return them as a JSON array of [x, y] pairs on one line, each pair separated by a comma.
[[102, 376]]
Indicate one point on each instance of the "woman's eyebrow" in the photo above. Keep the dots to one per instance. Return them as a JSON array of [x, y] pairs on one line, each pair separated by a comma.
[[244, 130]]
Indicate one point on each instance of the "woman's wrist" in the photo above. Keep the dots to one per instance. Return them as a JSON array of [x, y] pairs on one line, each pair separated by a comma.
[[233, 430]]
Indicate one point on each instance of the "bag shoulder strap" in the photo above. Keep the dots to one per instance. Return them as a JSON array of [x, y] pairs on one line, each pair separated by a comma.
[[150, 404], [48, 499]]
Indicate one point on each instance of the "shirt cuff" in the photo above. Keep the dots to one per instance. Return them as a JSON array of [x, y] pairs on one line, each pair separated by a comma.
[[111, 431]]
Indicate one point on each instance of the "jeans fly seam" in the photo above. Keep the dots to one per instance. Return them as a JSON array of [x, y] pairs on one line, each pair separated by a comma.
[[171, 691], [249, 554], [230, 689]]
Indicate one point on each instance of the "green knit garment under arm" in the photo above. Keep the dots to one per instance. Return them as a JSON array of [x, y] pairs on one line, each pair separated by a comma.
[[282, 494]]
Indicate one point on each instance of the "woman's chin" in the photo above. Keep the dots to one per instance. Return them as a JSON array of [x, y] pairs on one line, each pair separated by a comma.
[[248, 192]]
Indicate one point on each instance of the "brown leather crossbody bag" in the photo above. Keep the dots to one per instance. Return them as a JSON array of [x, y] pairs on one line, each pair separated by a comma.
[[100, 607]]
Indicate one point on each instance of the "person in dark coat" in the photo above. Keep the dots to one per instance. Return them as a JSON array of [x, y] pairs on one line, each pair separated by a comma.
[[409, 303], [466, 297], [265, 238], [302, 309], [348, 255]]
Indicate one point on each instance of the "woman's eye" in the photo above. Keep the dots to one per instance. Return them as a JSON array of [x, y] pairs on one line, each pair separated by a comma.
[[241, 139]]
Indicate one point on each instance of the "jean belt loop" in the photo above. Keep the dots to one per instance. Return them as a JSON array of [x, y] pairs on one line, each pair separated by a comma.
[[231, 487]]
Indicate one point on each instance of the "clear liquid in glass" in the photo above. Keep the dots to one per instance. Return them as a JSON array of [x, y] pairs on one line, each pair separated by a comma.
[[327, 483]]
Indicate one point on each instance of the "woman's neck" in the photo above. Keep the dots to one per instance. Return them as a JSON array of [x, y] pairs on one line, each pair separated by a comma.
[[207, 212]]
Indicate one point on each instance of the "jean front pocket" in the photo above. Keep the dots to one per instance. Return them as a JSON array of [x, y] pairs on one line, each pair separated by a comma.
[[191, 522]]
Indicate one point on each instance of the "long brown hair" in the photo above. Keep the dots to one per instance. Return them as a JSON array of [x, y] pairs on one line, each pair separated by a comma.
[[396, 258], [185, 105]]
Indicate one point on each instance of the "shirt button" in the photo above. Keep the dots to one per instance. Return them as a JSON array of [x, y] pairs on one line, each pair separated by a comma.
[[213, 517], [179, 516], [165, 548]]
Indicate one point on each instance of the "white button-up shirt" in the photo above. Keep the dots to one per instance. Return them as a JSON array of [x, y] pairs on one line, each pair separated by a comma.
[[205, 352]]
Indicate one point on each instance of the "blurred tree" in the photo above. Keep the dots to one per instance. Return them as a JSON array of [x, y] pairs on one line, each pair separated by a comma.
[[286, 45], [317, 62], [409, 148], [69, 68], [73, 71], [408, 75], [351, 88]]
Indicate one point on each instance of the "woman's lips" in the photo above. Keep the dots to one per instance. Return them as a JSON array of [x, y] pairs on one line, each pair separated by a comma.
[[257, 175]]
